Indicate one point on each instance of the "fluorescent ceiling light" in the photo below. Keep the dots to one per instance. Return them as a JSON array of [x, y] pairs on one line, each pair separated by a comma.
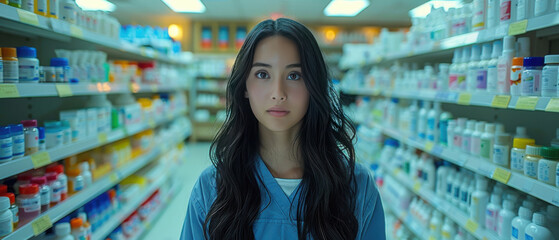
[[345, 8], [186, 6], [94, 5], [422, 10]]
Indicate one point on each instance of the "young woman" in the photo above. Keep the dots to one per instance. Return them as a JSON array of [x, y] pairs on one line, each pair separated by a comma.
[[284, 163]]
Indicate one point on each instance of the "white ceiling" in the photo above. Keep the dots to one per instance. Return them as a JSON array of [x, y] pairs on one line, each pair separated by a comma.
[[390, 13]]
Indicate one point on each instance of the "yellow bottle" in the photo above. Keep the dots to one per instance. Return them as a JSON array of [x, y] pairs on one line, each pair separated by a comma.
[[52, 8]]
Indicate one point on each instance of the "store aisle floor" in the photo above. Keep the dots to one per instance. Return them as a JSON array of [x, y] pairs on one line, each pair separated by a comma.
[[169, 224]]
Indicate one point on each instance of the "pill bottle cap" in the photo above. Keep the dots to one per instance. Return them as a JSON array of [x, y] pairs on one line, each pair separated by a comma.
[[26, 52], [9, 53], [4, 203], [76, 222], [518, 61], [39, 180], [29, 123], [533, 61], [533, 150], [11, 196], [551, 59], [550, 152], [522, 142], [29, 189], [59, 62]]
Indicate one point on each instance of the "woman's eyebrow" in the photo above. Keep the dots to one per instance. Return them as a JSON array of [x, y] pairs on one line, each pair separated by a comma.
[[259, 64], [294, 65]]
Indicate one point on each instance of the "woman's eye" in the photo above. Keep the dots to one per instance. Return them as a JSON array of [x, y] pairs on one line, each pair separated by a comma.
[[261, 75], [294, 76]]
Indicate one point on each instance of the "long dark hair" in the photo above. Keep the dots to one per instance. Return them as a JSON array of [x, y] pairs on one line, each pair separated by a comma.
[[324, 142]]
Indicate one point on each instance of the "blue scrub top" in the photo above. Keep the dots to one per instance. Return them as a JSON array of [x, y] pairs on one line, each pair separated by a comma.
[[274, 222]]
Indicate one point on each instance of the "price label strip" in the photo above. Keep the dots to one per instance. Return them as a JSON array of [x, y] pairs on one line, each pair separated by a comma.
[[76, 31], [527, 103], [40, 159], [500, 101], [114, 178], [501, 175], [8, 91], [429, 146], [552, 105], [28, 17], [464, 98], [41, 224], [518, 27], [471, 226], [417, 186], [64, 90], [102, 138]]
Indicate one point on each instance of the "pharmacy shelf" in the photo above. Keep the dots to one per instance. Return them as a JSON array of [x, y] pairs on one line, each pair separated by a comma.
[[80, 89], [520, 27], [43, 158], [211, 107], [474, 99], [446, 208], [211, 91], [481, 166], [407, 219], [27, 23], [128, 209], [45, 220]]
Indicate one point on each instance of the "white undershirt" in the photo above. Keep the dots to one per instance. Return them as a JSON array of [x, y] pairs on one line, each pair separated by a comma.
[[288, 185]]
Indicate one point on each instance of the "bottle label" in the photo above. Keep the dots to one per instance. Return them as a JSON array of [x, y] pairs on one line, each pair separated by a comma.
[[19, 145], [530, 83], [32, 139], [45, 197], [42, 6], [6, 148], [28, 73], [475, 146], [11, 71], [503, 78], [462, 81], [443, 138], [53, 7], [517, 160], [501, 155], [528, 237], [546, 171], [449, 188], [485, 148], [490, 219], [464, 196], [481, 79], [28, 205], [521, 10], [6, 227], [466, 144], [505, 10], [15, 213], [453, 81], [56, 193], [549, 80], [457, 141], [514, 232], [531, 169], [492, 77]]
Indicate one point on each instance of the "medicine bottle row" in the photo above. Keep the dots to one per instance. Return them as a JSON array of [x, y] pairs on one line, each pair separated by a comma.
[[495, 211]]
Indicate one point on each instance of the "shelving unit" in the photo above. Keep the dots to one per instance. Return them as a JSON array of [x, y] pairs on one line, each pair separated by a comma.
[[45, 157], [30, 24], [43, 222], [441, 205], [206, 130], [481, 166], [408, 221]]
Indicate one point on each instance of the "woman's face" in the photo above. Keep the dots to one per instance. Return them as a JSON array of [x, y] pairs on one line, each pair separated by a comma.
[[275, 87]]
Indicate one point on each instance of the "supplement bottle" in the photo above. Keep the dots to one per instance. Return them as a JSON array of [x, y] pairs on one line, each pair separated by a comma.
[[463, 68], [55, 188], [505, 219], [516, 76], [86, 225], [53, 8], [28, 64], [62, 68], [6, 217], [78, 231], [524, 9], [480, 198], [29, 203], [492, 213], [481, 76], [453, 70], [63, 230], [531, 161], [28, 5], [518, 152], [10, 65], [13, 207], [41, 7], [68, 11], [501, 150], [435, 225], [42, 142], [448, 230], [537, 230], [22, 179], [487, 138], [520, 222], [473, 68], [62, 178], [6, 147], [433, 122], [31, 136], [450, 133], [549, 76], [530, 84], [467, 136], [458, 130], [44, 192], [479, 15], [492, 75], [475, 142], [66, 131], [504, 65], [53, 134], [86, 173], [75, 180], [548, 164], [542, 7], [443, 126]]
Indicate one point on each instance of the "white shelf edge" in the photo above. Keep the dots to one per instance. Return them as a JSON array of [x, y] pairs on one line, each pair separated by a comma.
[[478, 165], [479, 99], [442, 206], [20, 165], [60, 28]]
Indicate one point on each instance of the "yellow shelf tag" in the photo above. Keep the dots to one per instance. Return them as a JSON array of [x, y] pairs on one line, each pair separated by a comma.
[[102, 138], [464, 98], [553, 105], [64, 90], [518, 27], [40, 159], [114, 178], [500, 101], [429, 146], [154, 88], [151, 123], [432, 238], [416, 186], [76, 31], [8, 91], [396, 171], [28, 17], [527, 103], [41, 224], [501, 175], [471, 226]]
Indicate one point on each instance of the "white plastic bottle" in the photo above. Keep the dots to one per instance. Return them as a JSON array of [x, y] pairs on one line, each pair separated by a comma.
[[492, 75], [463, 68], [69, 11], [458, 130], [442, 77], [449, 181], [475, 140], [505, 220], [492, 13], [553, 219], [487, 139], [479, 15], [524, 9], [504, 64], [443, 127], [433, 122], [413, 114], [501, 150], [464, 193], [483, 65], [86, 174], [467, 136], [492, 213], [429, 172], [519, 223], [442, 173], [473, 68], [62, 231], [422, 120], [480, 198], [508, 11], [549, 76], [450, 133], [6, 217], [449, 229], [453, 70], [436, 225], [537, 230], [456, 188]]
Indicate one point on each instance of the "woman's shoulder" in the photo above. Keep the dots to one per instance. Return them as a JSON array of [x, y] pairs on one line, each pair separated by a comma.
[[366, 186], [204, 190]]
